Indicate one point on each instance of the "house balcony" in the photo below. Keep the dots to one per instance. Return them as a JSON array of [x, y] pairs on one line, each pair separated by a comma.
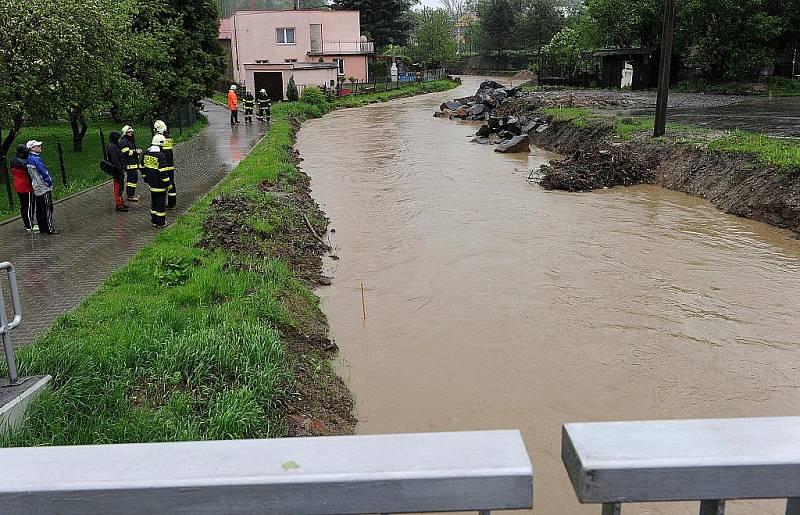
[[319, 48]]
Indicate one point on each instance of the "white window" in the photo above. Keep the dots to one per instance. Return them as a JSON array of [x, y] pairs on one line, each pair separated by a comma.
[[340, 63], [286, 36]]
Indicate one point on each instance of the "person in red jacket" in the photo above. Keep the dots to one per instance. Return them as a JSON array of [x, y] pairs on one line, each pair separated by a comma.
[[24, 188]]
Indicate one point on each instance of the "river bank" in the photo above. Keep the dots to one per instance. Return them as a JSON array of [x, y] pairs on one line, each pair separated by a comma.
[[213, 331], [748, 174]]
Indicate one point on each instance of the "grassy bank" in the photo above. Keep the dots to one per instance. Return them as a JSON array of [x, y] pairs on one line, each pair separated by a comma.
[[82, 170], [782, 153], [210, 332]]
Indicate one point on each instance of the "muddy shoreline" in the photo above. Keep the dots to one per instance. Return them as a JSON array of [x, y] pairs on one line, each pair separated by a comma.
[[734, 183], [319, 403]]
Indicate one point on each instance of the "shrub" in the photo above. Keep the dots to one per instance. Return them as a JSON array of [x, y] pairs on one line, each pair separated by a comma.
[[291, 90], [314, 96], [378, 70]]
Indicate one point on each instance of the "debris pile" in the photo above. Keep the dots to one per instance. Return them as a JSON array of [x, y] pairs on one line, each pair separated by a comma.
[[510, 133], [588, 170]]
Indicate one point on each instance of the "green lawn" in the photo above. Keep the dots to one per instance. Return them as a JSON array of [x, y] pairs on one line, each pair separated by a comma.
[[187, 342], [82, 170]]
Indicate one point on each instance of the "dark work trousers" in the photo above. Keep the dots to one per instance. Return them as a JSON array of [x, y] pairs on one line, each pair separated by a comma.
[[234, 116], [27, 208], [119, 187], [172, 193], [133, 179], [44, 213], [158, 207], [248, 115]]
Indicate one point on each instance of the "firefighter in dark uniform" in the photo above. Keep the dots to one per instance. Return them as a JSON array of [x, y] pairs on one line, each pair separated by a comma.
[[130, 158], [249, 106], [168, 150], [156, 178], [264, 106]]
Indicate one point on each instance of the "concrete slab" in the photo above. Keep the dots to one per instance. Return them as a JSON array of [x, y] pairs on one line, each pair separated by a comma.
[[14, 400]]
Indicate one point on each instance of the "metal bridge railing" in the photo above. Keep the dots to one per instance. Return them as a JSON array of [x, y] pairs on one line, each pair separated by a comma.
[[406, 473], [5, 326], [710, 461]]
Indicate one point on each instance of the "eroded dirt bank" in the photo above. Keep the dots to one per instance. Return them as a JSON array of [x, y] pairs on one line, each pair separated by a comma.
[[734, 183], [276, 223]]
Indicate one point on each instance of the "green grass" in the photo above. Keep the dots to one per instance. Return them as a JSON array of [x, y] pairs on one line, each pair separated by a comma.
[[579, 117], [180, 344], [781, 152], [81, 168]]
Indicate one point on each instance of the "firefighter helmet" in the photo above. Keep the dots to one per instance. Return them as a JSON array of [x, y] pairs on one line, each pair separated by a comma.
[[127, 129], [160, 126], [233, 87], [159, 140]]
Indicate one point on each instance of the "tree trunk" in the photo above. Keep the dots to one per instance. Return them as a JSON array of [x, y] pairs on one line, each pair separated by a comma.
[[79, 127], [10, 137], [115, 113]]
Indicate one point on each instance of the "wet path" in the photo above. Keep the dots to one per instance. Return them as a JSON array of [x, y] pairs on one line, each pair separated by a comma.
[[56, 273], [773, 116], [493, 304]]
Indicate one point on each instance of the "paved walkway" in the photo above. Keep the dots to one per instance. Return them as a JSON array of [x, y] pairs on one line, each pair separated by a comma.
[[55, 273]]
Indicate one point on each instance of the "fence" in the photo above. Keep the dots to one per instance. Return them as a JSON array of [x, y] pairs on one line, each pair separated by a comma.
[[358, 87], [409, 473], [709, 461], [76, 170]]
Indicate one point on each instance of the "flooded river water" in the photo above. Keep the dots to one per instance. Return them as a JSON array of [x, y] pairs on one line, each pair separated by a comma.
[[491, 303]]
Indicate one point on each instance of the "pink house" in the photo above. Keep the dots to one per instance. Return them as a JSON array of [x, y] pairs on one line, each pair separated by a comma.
[[317, 47]]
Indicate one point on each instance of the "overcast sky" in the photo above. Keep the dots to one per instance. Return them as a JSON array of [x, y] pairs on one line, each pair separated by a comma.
[[430, 3]]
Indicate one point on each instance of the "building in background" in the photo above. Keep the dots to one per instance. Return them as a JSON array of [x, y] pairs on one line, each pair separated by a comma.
[[317, 47]]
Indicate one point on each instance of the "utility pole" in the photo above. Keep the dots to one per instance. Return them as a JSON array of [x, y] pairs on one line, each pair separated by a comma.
[[667, 35]]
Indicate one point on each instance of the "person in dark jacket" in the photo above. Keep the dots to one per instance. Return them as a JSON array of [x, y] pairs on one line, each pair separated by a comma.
[[249, 106], [24, 188], [130, 158], [115, 157], [156, 178], [42, 188], [169, 155], [264, 106]]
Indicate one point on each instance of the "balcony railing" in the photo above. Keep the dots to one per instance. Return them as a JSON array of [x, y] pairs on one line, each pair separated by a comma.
[[710, 461], [434, 472], [342, 47]]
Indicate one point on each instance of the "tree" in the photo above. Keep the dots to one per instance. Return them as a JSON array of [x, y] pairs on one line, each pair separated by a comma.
[[456, 8], [385, 21], [432, 41], [497, 21], [734, 40], [537, 21], [627, 23], [291, 90], [48, 51]]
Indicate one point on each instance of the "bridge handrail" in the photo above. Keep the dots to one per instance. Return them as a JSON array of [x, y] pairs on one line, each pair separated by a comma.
[[476, 471], [708, 460]]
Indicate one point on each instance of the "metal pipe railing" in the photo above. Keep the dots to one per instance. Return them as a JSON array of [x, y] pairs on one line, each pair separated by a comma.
[[5, 326]]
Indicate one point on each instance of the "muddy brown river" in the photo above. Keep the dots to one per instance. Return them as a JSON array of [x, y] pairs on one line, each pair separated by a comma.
[[491, 303]]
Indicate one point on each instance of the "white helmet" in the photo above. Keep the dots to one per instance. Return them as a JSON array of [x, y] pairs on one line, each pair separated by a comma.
[[127, 129], [233, 87], [263, 91], [160, 126], [159, 140]]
